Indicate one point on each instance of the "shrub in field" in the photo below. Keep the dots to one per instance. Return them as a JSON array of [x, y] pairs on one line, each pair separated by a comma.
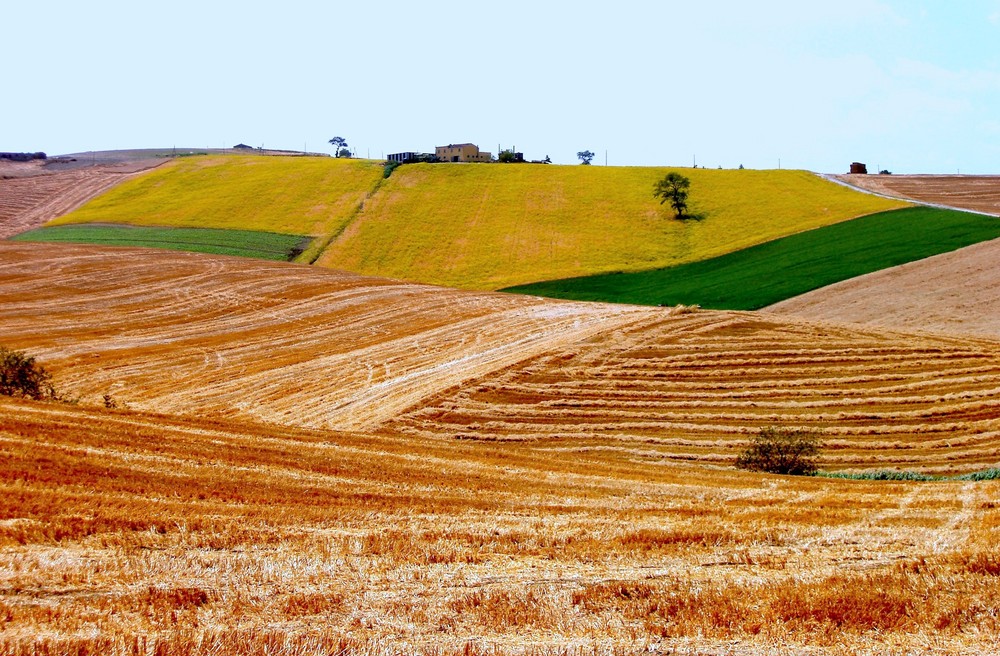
[[21, 376], [781, 451]]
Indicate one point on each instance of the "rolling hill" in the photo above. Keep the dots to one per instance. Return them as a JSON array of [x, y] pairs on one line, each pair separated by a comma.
[[184, 334], [486, 227], [478, 226], [768, 273], [314, 196]]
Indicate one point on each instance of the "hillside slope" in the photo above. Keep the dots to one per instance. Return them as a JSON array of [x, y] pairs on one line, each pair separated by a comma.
[[478, 226], [487, 227], [956, 293], [313, 196], [194, 335], [979, 193], [31, 195]]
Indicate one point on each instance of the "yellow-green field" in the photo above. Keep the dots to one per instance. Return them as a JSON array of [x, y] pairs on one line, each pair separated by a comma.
[[490, 226], [312, 196], [478, 226]]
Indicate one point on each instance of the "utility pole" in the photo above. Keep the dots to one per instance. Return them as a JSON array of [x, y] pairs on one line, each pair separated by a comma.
[[605, 157]]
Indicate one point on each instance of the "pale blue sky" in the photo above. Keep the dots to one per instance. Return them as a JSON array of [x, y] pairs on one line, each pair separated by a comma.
[[909, 86]]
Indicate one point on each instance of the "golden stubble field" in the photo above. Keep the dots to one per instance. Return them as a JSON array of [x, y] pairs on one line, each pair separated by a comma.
[[304, 461]]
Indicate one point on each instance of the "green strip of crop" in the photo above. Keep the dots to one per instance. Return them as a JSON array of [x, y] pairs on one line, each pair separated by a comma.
[[243, 243], [758, 276], [991, 474]]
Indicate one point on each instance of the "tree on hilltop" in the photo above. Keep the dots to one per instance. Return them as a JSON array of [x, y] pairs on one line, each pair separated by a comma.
[[340, 145], [674, 188], [585, 156]]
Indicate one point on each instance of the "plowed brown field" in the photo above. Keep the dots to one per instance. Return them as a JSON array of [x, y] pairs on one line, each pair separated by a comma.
[[29, 197], [980, 193], [317, 462]]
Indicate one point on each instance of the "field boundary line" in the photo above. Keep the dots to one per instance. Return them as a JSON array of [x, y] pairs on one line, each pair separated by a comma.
[[832, 177]]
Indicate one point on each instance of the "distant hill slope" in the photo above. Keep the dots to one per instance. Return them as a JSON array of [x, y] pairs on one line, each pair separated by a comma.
[[31, 194], [479, 226], [957, 293], [290, 195], [978, 193], [491, 226], [751, 278]]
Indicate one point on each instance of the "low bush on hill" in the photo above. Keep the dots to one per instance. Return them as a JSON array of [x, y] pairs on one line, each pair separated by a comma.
[[782, 451], [21, 376]]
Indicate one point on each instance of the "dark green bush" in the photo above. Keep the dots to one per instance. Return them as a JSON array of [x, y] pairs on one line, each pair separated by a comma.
[[389, 168], [21, 376], [782, 451]]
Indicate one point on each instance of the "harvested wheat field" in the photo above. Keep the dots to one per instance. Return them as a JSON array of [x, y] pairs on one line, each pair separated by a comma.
[[127, 533], [979, 193], [31, 196], [306, 461]]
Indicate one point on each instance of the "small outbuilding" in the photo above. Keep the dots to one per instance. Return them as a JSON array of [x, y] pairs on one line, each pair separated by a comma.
[[858, 167]]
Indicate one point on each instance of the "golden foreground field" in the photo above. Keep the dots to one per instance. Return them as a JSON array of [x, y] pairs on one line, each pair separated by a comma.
[[315, 462]]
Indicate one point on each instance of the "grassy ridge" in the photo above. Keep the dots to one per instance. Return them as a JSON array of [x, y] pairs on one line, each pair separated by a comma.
[[287, 195], [767, 273], [490, 226], [245, 243]]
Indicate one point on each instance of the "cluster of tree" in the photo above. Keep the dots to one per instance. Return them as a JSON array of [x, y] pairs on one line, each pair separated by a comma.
[[22, 157]]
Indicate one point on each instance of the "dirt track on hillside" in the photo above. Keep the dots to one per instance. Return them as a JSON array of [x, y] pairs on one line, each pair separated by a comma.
[[189, 334], [980, 193]]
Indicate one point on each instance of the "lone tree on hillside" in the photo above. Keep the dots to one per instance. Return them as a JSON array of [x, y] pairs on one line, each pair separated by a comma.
[[340, 145], [674, 188], [585, 156]]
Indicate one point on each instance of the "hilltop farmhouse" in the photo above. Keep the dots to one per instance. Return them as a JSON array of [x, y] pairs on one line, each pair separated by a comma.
[[462, 153]]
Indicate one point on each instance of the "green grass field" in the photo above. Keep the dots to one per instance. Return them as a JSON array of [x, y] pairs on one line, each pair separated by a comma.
[[481, 226], [245, 243], [313, 196], [755, 277]]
